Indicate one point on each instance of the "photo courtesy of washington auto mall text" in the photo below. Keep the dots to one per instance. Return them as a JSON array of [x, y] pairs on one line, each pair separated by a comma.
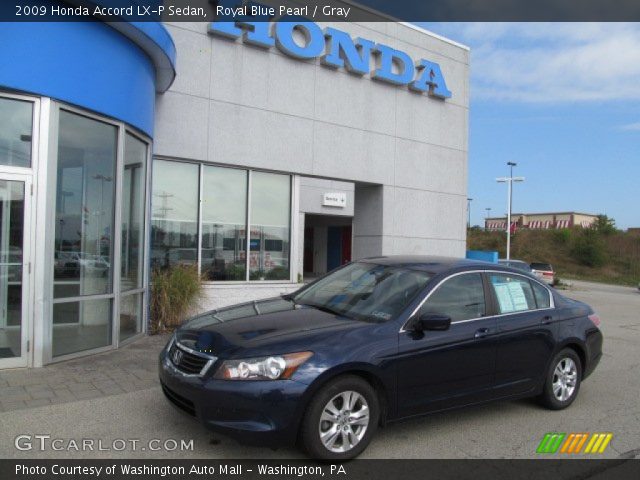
[[106, 469]]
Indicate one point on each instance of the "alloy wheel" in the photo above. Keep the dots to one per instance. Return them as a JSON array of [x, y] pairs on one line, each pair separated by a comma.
[[344, 421], [565, 377]]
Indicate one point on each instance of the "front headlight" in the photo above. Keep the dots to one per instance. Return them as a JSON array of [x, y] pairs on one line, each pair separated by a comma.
[[273, 367]]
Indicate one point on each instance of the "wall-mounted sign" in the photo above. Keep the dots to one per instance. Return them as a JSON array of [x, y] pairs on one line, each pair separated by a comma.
[[335, 48], [334, 200]]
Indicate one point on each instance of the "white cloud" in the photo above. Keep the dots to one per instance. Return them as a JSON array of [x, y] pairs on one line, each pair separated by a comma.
[[551, 62], [631, 127]]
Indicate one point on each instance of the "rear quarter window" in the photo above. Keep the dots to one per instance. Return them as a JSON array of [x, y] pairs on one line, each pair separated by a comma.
[[541, 295]]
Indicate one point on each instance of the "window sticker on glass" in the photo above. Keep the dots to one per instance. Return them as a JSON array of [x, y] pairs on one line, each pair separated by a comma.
[[511, 297], [517, 296], [504, 297]]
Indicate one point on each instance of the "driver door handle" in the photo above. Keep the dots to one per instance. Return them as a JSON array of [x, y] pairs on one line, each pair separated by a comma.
[[546, 320], [482, 332]]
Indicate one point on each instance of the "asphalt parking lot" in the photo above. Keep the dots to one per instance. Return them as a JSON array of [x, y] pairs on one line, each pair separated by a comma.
[[609, 401]]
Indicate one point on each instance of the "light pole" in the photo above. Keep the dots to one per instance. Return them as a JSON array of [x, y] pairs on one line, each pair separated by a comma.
[[469, 212], [511, 165], [488, 209], [509, 181]]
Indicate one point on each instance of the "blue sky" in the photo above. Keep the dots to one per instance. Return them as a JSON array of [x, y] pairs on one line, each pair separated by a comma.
[[561, 100]]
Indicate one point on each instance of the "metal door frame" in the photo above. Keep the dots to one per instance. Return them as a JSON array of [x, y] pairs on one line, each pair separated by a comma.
[[27, 288]]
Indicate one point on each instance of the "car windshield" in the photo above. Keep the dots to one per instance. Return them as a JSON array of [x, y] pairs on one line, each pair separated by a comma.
[[364, 291]]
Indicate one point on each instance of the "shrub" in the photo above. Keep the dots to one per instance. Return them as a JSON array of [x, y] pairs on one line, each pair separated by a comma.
[[236, 272], [278, 273], [589, 249], [562, 236], [174, 292]]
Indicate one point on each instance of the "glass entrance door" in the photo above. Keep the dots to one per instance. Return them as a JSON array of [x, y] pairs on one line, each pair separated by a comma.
[[14, 270]]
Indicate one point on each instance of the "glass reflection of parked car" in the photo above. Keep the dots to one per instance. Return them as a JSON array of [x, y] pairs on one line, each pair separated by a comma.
[[99, 265], [66, 264]]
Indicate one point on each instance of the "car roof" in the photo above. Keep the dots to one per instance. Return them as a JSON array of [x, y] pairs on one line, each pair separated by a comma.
[[432, 264], [504, 260]]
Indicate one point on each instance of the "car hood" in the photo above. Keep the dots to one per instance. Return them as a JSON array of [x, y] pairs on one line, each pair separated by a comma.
[[266, 327]]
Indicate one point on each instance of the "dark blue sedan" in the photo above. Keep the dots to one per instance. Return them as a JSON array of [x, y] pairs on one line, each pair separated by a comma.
[[376, 341]]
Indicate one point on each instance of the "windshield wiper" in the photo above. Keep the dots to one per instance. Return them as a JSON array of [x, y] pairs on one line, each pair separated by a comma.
[[324, 308]]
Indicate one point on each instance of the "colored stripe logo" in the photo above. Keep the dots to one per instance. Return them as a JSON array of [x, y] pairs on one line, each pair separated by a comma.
[[574, 443]]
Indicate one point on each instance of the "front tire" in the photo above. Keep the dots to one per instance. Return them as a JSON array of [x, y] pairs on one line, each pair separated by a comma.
[[341, 419], [563, 380]]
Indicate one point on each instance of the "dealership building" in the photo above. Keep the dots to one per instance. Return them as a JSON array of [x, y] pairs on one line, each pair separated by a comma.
[[263, 154]]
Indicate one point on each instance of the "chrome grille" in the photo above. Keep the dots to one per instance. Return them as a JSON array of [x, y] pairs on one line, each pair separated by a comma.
[[189, 361]]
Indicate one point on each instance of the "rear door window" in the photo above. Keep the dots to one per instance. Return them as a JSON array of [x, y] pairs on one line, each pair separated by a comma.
[[513, 293]]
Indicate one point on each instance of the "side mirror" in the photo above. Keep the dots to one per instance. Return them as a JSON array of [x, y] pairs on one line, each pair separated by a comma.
[[432, 321]]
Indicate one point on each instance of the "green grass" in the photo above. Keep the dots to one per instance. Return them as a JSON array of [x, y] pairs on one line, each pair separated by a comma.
[[616, 256]]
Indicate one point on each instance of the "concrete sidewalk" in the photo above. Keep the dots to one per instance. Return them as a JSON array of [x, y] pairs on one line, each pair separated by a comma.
[[129, 369]]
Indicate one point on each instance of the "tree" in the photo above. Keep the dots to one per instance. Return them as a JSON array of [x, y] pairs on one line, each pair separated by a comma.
[[604, 225], [589, 248]]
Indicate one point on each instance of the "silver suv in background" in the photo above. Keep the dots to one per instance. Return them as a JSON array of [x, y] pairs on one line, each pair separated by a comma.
[[544, 271]]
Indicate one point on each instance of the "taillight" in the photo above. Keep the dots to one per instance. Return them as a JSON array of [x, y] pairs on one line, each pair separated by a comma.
[[595, 319]]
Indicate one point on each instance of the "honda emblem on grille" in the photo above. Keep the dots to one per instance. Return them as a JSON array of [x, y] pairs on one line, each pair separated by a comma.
[[177, 356]]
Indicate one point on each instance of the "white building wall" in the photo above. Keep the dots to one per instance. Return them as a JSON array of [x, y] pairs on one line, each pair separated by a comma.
[[405, 153]]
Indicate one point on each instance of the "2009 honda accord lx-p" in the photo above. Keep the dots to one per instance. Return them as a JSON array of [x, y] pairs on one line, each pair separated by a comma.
[[376, 341]]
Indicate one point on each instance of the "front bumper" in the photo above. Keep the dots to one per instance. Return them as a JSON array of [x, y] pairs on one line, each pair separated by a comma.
[[253, 412]]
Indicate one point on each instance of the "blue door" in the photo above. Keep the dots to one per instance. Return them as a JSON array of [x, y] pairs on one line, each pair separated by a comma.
[[334, 247]]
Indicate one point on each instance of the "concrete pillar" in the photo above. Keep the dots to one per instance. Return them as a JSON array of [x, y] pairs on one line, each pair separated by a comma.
[[370, 237]]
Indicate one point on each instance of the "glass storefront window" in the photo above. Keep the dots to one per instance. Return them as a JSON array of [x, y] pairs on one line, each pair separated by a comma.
[[174, 227], [85, 196], [79, 326], [85, 233], [15, 132], [130, 315], [224, 223], [133, 190], [269, 232]]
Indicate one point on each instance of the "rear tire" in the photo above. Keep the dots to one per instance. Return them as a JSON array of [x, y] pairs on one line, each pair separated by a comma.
[[341, 419], [563, 380]]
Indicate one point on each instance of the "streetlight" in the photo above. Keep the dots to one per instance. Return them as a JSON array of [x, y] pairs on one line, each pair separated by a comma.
[[488, 209], [511, 165], [509, 181], [469, 211]]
